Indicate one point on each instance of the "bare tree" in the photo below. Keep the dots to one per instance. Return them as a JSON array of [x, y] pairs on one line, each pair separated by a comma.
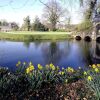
[[53, 11]]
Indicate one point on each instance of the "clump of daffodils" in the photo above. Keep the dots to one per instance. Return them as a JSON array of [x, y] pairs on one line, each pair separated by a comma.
[[92, 77], [70, 70], [29, 69], [50, 72]]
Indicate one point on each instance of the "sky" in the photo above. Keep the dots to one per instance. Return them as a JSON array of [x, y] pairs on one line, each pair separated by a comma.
[[16, 10]]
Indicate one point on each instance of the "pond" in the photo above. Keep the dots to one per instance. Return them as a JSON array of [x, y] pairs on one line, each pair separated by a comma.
[[60, 53]]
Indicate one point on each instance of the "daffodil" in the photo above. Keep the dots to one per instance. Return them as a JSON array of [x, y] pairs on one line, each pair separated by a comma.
[[17, 65], [61, 72], [98, 65], [94, 66], [19, 62], [69, 69], [30, 63], [66, 80], [27, 70], [96, 70], [89, 78], [40, 67], [24, 63], [85, 73], [52, 67], [31, 67]]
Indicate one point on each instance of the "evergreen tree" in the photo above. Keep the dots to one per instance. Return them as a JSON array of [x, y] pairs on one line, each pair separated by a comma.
[[27, 25], [38, 26]]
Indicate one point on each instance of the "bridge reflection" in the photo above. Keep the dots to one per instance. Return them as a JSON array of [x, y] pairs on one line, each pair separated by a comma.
[[96, 50]]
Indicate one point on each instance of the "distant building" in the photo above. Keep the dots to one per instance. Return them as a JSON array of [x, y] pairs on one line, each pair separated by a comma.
[[60, 26], [5, 28]]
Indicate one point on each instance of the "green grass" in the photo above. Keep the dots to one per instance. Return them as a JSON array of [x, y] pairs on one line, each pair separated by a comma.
[[31, 36], [37, 32]]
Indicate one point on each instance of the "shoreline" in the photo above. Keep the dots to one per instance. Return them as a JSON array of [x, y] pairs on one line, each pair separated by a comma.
[[32, 36]]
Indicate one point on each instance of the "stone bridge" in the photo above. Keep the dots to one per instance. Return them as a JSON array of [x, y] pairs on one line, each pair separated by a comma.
[[89, 36], [95, 34]]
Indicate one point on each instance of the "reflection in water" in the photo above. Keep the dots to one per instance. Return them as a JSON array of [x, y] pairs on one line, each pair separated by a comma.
[[61, 53], [55, 52], [52, 53], [87, 52], [98, 50], [26, 44]]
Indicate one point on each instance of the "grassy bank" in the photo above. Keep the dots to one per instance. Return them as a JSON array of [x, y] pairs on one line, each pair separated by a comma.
[[31, 36]]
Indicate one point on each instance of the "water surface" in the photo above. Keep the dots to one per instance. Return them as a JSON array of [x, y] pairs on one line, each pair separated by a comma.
[[60, 53]]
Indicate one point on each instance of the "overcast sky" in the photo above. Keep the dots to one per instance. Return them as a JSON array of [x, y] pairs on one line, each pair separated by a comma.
[[16, 10]]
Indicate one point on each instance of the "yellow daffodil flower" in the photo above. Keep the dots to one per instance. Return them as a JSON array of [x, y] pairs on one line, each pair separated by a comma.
[[18, 63], [89, 78], [69, 69], [52, 67], [96, 70], [31, 67], [85, 73], [61, 73], [98, 65], [40, 67], [94, 66], [27, 70]]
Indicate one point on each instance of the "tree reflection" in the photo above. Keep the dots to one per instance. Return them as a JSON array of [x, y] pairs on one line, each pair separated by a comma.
[[37, 44], [26, 44], [87, 52], [92, 52], [53, 53]]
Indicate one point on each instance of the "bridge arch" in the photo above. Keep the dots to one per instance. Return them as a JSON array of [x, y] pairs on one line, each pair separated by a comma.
[[98, 39], [87, 38], [78, 37]]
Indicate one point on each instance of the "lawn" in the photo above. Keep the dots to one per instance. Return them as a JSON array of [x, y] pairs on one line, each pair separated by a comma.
[[31, 36], [37, 32]]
